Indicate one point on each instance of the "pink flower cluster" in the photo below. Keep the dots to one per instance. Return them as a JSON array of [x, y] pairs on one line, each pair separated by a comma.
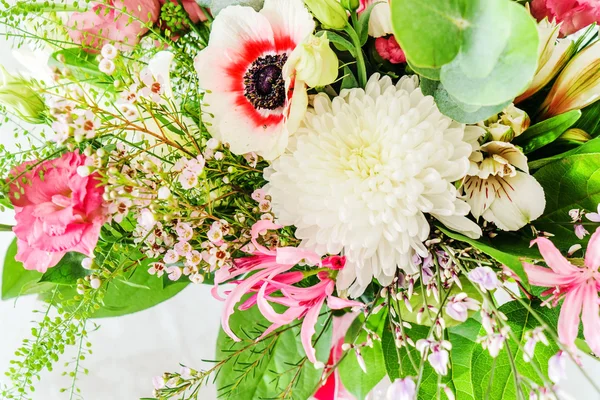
[[573, 15], [57, 210], [121, 22], [271, 273], [578, 286]]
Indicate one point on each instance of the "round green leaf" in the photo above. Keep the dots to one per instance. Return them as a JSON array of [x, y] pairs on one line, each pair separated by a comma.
[[511, 74], [433, 32]]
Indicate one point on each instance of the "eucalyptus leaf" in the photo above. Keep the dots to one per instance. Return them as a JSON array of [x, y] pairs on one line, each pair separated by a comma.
[[261, 370], [546, 132], [432, 33], [14, 275], [572, 182], [511, 74], [429, 73], [451, 107]]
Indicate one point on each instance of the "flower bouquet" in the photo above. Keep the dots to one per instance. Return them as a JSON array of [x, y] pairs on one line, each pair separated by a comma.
[[404, 192]]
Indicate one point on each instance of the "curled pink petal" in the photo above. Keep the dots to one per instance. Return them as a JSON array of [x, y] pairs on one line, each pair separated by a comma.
[[553, 257], [591, 318], [568, 321], [308, 330]]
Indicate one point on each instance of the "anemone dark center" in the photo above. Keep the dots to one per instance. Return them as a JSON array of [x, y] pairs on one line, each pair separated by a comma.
[[264, 86]]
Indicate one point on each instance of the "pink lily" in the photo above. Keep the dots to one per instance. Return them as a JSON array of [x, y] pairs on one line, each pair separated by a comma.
[[578, 286], [271, 275]]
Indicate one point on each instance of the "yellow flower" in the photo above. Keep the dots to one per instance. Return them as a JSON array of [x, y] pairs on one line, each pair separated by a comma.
[[314, 62]]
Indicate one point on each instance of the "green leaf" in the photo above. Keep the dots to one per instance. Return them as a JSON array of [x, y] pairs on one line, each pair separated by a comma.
[[349, 80], [432, 33], [67, 271], [266, 368], [429, 73], [14, 275], [502, 386], [591, 147], [545, 132], [340, 42], [573, 182], [449, 106], [464, 79], [463, 338], [362, 29], [398, 363], [508, 249], [140, 292], [82, 66], [354, 379], [590, 119]]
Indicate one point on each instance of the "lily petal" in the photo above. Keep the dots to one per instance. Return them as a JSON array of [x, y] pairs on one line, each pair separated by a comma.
[[592, 254], [540, 276], [591, 318], [568, 321], [553, 258], [308, 330]]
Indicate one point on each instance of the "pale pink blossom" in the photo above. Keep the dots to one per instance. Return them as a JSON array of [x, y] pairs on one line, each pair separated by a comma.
[[171, 257], [532, 338], [184, 231], [57, 210], [439, 356], [258, 195], [580, 231], [146, 219], [494, 342], [402, 389], [459, 305], [157, 269], [485, 277], [109, 51], [578, 286], [174, 273], [183, 248], [271, 274], [595, 216], [106, 66], [557, 366]]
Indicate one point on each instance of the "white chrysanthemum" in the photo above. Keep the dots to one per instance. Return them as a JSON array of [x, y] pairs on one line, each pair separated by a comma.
[[363, 172]]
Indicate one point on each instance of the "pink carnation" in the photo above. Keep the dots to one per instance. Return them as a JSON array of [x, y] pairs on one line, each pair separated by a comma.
[[122, 22], [389, 49], [57, 211], [572, 14]]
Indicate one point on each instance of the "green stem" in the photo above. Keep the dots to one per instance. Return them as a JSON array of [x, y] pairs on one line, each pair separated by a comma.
[[360, 59]]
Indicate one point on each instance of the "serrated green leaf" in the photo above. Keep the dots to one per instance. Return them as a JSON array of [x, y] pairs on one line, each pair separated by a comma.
[[67, 271], [572, 182], [546, 132], [14, 275], [268, 365]]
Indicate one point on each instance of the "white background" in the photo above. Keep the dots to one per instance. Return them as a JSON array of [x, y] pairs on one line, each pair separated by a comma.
[[130, 350]]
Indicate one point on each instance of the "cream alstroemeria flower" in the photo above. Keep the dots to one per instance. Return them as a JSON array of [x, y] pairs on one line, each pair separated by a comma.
[[507, 125], [499, 188], [553, 54], [577, 86]]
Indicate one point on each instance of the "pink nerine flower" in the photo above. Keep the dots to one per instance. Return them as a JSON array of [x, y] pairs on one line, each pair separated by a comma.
[[271, 274], [389, 49], [573, 15], [120, 21], [57, 211], [578, 286]]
